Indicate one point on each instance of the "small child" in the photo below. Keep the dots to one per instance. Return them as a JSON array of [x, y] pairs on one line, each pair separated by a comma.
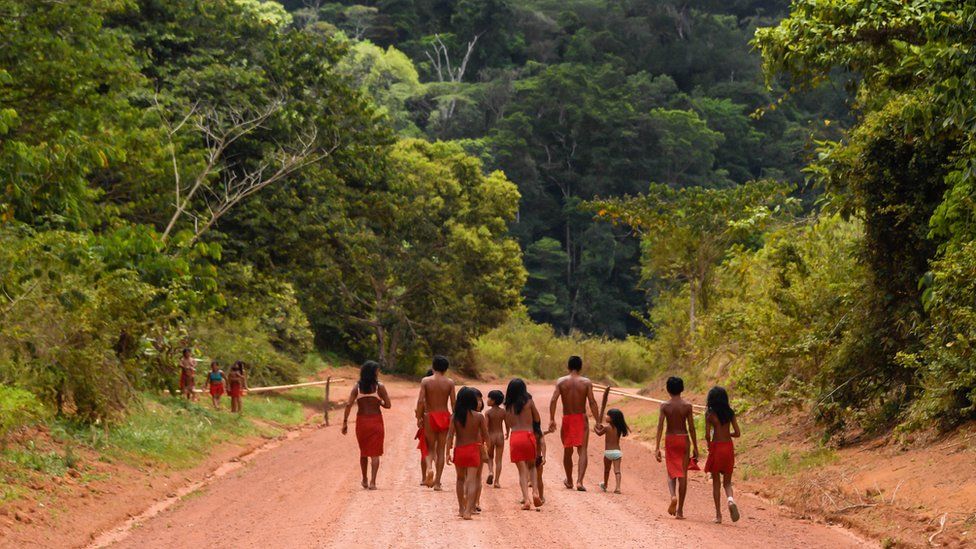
[[719, 417], [496, 435], [215, 382], [188, 368], [237, 384], [613, 428], [680, 419]]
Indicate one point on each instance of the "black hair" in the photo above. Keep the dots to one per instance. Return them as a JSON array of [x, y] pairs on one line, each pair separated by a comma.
[[575, 363], [467, 401], [186, 351], [675, 385], [516, 396], [429, 373], [368, 377], [617, 420], [441, 363], [496, 396], [718, 404]]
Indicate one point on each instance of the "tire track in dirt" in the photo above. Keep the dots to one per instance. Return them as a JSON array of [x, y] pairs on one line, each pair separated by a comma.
[[306, 493]]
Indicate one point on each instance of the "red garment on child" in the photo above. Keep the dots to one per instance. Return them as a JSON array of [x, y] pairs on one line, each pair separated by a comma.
[[572, 430], [522, 446], [236, 389], [468, 455], [422, 444], [370, 434], [675, 454], [721, 457], [439, 421], [217, 389]]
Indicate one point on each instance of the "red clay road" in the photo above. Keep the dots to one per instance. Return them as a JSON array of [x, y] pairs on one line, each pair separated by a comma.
[[306, 493]]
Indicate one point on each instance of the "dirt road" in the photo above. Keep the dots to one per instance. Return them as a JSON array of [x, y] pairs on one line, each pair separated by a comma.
[[306, 493]]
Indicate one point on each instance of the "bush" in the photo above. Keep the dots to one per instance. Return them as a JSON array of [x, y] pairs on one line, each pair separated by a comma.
[[523, 348]]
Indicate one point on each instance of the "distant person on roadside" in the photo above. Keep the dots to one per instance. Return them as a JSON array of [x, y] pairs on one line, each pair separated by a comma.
[[469, 429], [236, 385], [680, 420], [720, 428], [421, 438], [369, 396], [215, 383], [436, 392], [576, 391], [188, 369], [615, 428], [496, 436], [523, 420]]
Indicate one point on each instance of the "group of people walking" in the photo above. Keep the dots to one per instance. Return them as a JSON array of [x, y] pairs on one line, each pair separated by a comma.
[[458, 427]]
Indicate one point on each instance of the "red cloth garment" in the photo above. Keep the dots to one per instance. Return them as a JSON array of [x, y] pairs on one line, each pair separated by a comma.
[[439, 421], [468, 455], [422, 444], [572, 430], [217, 389], [369, 434], [236, 389], [721, 458], [522, 446], [675, 454]]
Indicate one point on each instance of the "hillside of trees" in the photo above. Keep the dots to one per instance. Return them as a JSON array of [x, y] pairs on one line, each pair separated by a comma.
[[773, 194]]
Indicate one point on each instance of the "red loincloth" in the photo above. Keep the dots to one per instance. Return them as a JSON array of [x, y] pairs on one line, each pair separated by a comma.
[[217, 389], [573, 429], [422, 444], [721, 458], [439, 421], [522, 446], [468, 455], [675, 454], [369, 434]]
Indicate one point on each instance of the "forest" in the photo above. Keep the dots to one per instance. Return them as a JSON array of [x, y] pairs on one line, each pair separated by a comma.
[[775, 195]]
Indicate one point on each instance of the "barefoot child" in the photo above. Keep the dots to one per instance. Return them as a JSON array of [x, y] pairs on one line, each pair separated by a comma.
[[496, 435], [615, 428], [719, 417], [215, 382], [680, 420], [468, 427], [522, 418], [237, 384], [188, 368]]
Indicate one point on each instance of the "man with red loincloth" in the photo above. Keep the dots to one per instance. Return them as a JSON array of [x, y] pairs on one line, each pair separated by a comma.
[[680, 419], [576, 391], [435, 393]]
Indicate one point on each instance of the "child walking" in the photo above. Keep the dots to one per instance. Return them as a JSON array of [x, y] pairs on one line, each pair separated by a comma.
[[613, 428], [237, 384], [496, 435], [720, 428], [215, 382]]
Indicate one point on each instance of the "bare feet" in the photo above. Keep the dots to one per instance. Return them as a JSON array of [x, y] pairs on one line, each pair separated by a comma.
[[673, 507]]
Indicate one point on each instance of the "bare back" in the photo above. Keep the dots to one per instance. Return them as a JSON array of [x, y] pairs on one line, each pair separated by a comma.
[[575, 391], [522, 421], [436, 391], [472, 431], [676, 413]]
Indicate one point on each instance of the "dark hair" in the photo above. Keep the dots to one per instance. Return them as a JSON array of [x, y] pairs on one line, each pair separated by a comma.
[[429, 373], [718, 404], [467, 401], [441, 363], [575, 363], [496, 396], [675, 385], [617, 420], [186, 351], [516, 396], [368, 375]]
